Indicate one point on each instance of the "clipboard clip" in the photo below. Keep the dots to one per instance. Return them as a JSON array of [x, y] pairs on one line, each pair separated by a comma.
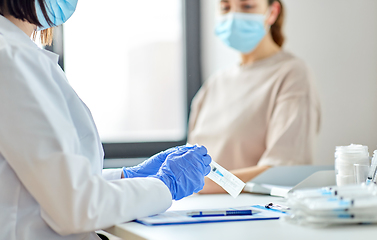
[[277, 207]]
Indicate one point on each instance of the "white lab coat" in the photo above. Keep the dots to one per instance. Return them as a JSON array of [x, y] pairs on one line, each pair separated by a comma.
[[51, 183]]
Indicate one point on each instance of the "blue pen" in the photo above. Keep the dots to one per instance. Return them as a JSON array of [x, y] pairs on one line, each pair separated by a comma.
[[220, 213]]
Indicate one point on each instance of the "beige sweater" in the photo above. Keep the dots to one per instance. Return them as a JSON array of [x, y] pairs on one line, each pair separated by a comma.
[[266, 113]]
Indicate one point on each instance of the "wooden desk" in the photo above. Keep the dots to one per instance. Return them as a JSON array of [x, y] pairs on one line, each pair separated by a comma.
[[268, 229]]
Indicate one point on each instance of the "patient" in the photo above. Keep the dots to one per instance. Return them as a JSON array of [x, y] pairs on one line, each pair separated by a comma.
[[262, 112]]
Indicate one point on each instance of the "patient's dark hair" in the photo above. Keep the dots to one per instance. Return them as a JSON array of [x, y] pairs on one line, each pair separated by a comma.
[[277, 27], [25, 11]]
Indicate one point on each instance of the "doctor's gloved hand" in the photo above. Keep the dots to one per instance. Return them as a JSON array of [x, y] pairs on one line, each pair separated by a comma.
[[153, 164], [183, 171]]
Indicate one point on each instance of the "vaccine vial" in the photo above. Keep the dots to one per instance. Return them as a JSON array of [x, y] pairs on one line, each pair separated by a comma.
[[225, 179], [346, 157]]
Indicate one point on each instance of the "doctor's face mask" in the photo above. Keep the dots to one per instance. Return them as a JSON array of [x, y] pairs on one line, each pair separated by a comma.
[[58, 11]]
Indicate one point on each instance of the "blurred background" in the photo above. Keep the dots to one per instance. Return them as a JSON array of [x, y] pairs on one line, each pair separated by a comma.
[[338, 40], [139, 64]]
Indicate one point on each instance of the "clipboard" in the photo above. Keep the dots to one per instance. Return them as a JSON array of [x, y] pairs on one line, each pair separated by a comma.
[[181, 217]]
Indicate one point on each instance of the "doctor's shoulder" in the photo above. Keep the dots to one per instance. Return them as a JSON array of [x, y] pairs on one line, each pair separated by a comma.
[[8, 54], [6, 51], [19, 57], [3, 42], [12, 51]]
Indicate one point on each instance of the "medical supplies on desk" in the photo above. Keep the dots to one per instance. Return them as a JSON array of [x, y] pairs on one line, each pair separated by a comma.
[[351, 162], [349, 204], [353, 200]]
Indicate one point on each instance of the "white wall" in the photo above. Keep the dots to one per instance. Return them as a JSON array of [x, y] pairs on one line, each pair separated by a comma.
[[338, 40]]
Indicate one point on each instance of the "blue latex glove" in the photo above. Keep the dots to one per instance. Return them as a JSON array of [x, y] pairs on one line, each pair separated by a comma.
[[183, 171], [153, 164]]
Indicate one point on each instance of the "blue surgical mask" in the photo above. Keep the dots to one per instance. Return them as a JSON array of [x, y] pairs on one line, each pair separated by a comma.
[[57, 10], [241, 31]]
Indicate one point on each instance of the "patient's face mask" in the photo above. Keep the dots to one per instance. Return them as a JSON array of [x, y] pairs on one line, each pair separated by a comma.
[[241, 31], [57, 10]]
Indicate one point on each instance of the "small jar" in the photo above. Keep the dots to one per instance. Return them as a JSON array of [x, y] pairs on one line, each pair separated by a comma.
[[345, 159]]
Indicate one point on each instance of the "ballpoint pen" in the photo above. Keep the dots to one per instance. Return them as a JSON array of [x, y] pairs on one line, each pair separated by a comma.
[[220, 213]]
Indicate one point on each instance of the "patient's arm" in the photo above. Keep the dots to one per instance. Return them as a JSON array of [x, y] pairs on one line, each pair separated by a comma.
[[245, 174]]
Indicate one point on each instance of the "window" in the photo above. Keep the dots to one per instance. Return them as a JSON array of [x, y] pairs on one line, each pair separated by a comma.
[[136, 64]]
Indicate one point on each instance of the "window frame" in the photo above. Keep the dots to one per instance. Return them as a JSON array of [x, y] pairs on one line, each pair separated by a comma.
[[192, 74]]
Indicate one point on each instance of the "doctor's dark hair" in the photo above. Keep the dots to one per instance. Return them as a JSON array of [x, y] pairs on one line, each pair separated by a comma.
[[277, 27], [25, 10]]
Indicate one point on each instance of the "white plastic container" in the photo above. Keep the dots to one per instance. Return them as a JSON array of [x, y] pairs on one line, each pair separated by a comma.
[[345, 159]]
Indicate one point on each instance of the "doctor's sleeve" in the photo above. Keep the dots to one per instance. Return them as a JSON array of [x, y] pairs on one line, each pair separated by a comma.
[[112, 174], [293, 122], [40, 143]]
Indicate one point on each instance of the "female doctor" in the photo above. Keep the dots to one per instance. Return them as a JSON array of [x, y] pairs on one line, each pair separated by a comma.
[[51, 178]]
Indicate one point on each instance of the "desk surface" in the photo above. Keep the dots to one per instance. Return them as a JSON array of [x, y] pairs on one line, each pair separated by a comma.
[[268, 229]]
